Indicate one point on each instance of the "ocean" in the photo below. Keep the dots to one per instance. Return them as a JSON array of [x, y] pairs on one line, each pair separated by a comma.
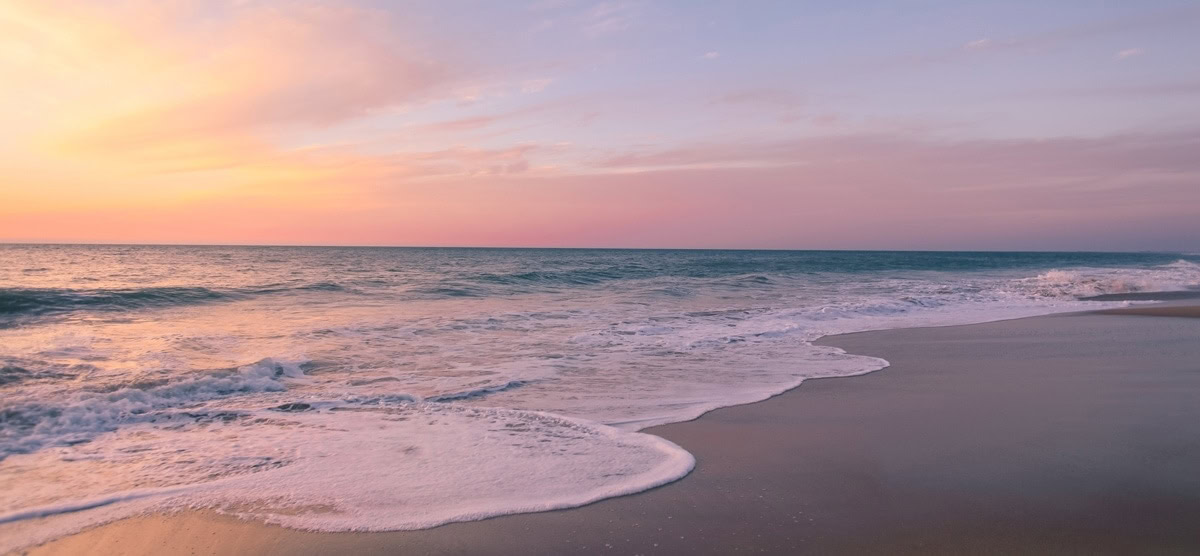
[[340, 388]]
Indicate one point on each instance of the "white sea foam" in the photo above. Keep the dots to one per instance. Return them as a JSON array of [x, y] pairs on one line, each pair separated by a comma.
[[343, 468], [1087, 282]]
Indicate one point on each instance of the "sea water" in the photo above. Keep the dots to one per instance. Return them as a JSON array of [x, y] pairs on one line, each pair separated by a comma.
[[397, 388]]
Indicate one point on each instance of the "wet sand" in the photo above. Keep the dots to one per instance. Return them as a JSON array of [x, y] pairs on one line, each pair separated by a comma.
[[1184, 296], [1063, 434], [1157, 311]]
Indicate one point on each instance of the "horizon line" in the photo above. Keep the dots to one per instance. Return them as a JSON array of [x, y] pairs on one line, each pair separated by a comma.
[[583, 248]]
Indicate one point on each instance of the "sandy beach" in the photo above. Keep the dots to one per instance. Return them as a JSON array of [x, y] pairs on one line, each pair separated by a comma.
[[1067, 434]]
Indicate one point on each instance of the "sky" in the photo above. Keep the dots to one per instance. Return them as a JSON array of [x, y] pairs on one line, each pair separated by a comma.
[[909, 124]]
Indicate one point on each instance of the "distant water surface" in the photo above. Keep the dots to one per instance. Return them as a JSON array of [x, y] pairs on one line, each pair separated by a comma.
[[398, 388]]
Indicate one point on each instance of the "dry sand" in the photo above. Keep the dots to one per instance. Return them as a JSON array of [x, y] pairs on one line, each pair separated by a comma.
[[1064, 434]]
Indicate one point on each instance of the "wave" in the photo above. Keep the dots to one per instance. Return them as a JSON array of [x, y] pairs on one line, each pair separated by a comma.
[[37, 301], [1078, 275], [1085, 283], [452, 290], [10, 374], [46, 301], [485, 285], [28, 425], [18, 370], [478, 392], [573, 277], [488, 284]]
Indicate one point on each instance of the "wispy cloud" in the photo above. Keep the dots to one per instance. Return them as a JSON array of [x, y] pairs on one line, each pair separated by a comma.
[[609, 17], [163, 86], [471, 123], [1136, 90], [535, 85], [711, 55], [785, 105], [974, 161], [1128, 53], [979, 44], [766, 96], [1183, 17], [460, 124]]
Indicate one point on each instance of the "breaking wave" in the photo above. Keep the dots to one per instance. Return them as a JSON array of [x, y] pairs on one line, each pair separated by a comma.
[[43, 301], [1091, 282], [27, 425]]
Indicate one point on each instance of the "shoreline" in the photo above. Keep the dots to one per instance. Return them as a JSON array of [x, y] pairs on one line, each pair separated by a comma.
[[756, 485]]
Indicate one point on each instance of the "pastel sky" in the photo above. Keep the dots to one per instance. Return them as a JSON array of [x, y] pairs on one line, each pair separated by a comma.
[[908, 124]]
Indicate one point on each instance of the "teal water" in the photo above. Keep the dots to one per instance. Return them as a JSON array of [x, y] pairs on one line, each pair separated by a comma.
[[38, 279]]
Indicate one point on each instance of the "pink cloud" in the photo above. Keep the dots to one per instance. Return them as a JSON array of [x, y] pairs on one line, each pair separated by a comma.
[[978, 44], [259, 69], [1184, 17], [609, 17], [1128, 53], [766, 96], [535, 85]]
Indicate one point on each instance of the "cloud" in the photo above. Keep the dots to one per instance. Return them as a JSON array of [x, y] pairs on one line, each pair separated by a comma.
[[783, 104], [469, 161], [1128, 53], [471, 123], [766, 96], [1184, 16], [826, 120], [971, 162], [978, 44], [461, 124], [609, 17], [711, 55], [535, 85], [188, 78], [1137, 90]]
